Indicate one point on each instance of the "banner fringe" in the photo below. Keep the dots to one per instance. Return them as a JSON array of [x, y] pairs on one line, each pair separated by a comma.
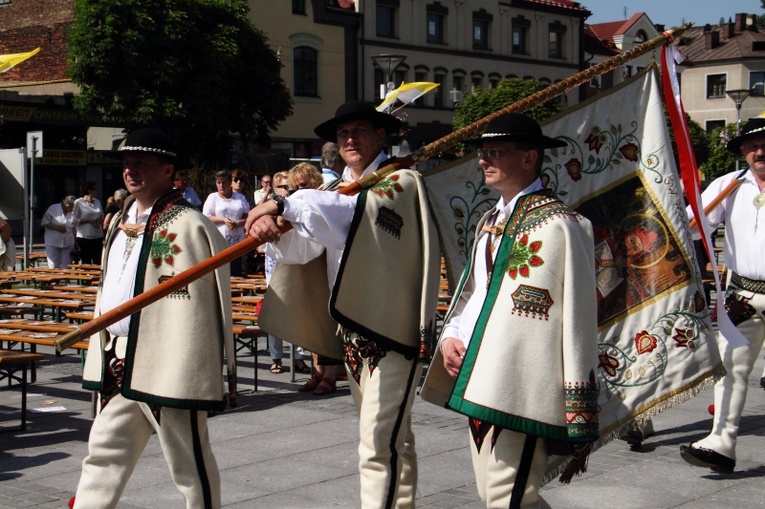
[[563, 464]]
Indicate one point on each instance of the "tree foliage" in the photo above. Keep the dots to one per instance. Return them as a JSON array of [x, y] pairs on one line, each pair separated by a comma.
[[720, 161], [699, 139], [196, 68], [508, 91]]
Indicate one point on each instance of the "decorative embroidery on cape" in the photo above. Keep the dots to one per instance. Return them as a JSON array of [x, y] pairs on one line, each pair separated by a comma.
[[582, 407], [389, 221], [532, 301], [356, 349], [523, 256], [181, 293], [537, 209], [387, 186], [164, 248]]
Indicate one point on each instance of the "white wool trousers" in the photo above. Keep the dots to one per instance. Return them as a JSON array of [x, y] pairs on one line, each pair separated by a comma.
[[119, 435], [387, 459], [730, 391], [509, 473]]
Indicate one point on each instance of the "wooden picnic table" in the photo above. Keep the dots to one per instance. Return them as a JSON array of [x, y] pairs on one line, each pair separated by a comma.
[[52, 294], [56, 305]]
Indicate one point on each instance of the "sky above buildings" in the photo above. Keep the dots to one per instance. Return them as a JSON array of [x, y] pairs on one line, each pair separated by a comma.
[[670, 12]]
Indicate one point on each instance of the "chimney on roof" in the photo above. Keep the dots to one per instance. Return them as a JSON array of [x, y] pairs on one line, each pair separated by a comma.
[[741, 21], [729, 29], [712, 38]]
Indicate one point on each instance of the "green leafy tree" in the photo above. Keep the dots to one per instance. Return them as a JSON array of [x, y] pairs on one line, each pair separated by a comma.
[[508, 91], [699, 139], [196, 68], [720, 161]]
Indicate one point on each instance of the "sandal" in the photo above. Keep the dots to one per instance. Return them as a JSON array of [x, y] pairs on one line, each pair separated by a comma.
[[311, 384], [302, 367], [276, 367], [325, 387]]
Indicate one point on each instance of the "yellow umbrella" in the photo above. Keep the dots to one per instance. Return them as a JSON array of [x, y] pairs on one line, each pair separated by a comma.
[[8, 61], [406, 93]]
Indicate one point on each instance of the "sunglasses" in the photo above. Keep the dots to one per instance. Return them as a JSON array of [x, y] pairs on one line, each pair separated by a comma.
[[283, 186], [265, 182], [237, 179]]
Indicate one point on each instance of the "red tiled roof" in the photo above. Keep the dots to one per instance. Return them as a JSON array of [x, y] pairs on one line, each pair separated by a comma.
[[566, 4], [607, 31]]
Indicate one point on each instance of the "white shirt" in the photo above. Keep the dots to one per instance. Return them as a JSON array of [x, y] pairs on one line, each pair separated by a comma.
[[465, 314], [119, 280], [234, 208], [321, 220], [744, 225], [88, 211], [55, 216]]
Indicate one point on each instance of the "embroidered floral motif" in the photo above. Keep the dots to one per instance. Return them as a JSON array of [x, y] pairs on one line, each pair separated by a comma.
[[163, 248], [596, 139], [684, 338], [574, 169], [532, 301], [356, 349], [387, 186], [630, 151], [608, 363], [523, 256], [645, 342], [582, 407]]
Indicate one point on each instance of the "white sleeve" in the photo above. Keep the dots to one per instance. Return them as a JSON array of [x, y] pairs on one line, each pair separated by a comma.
[[321, 216]]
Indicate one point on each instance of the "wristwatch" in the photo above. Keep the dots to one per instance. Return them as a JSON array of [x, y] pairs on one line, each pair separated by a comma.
[[279, 200]]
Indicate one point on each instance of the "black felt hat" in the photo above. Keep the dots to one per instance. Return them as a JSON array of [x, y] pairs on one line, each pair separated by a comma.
[[516, 127], [147, 141], [754, 126], [356, 110]]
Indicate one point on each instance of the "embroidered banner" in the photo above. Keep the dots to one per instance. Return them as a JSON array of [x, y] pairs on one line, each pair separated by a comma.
[[656, 348]]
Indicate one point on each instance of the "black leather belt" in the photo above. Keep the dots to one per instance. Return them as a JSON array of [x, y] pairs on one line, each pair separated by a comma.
[[750, 285]]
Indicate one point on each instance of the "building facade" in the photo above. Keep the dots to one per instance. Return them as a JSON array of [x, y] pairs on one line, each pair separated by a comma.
[[720, 59]]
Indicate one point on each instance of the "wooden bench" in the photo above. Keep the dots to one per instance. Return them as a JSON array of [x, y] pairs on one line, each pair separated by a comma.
[[12, 361]]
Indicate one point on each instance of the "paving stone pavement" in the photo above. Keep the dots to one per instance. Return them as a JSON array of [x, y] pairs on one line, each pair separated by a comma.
[[284, 449]]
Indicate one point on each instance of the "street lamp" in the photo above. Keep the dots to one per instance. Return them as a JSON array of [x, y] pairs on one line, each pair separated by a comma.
[[738, 96], [388, 64]]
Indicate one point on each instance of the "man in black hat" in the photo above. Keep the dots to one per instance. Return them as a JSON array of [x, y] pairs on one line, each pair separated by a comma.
[[518, 350], [158, 370], [382, 267], [741, 213]]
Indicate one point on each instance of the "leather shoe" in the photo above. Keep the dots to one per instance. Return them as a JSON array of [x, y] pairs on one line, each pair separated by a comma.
[[762, 382], [702, 457]]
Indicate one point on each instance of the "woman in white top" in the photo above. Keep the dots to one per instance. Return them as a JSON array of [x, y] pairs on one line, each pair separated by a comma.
[[88, 217], [59, 233], [227, 210]]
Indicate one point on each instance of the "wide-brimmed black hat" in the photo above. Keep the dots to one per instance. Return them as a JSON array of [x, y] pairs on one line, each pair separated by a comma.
[[147, 141], [516, 127], [356, 110], [752, 127]]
